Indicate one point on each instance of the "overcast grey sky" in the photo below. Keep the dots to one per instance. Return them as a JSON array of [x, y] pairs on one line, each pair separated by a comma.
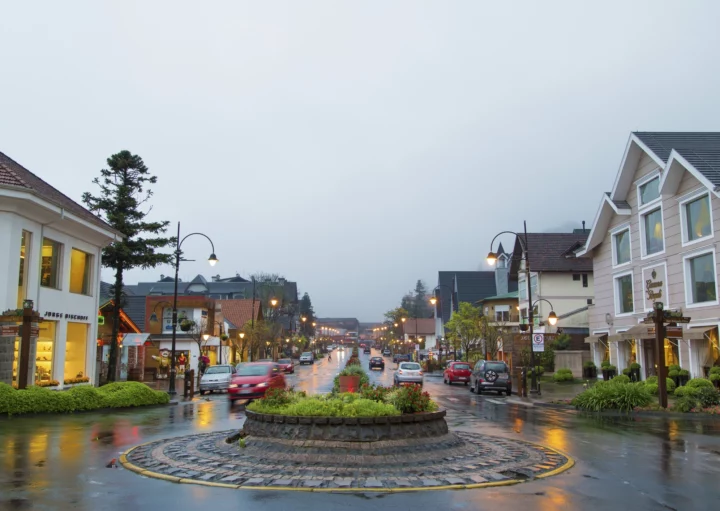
[[353, 147]]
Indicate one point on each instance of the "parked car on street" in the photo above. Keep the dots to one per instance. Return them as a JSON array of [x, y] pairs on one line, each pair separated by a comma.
[[491, 375], [253, 379], [216, 378], [397, 358], [376, 362], [307, 358], [387, 352], [408, 372], [367, 349], [457, 372], [286, 364]]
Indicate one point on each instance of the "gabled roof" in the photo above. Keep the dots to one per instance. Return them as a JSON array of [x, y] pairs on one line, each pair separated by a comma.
[[239, 312], [674, 153], [553, 252], [421, 326], [14, 175]]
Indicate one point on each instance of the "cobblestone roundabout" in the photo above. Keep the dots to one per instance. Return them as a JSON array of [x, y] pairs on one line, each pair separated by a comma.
[[454, 461]]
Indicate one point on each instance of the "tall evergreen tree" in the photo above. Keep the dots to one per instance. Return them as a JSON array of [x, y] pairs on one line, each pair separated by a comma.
[[420, 308], [307, 311], [123, 191]]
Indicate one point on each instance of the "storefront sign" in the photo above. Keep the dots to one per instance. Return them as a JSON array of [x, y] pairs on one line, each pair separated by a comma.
[[60, 315], [654, 280]]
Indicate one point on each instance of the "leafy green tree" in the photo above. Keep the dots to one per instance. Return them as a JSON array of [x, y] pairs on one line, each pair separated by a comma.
[[421, 305], [123, 192], [463, 328]]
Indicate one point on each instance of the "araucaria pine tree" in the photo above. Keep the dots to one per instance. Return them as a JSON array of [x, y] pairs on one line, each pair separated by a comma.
[[123, 191]]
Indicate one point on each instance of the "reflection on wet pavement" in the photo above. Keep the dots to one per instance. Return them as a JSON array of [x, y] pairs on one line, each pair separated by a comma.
[[58, 462]]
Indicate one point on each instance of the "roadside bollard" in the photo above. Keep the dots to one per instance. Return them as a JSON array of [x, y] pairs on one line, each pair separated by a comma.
[[189, 384]]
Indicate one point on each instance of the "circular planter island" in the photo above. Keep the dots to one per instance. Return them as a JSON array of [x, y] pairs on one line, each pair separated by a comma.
[[396, 453]]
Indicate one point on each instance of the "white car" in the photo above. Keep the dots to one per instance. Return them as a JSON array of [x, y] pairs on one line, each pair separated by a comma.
[[216, 378], [408, 372], [307, 358]]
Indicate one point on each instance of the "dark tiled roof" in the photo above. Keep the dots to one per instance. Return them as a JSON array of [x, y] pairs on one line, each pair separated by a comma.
[[14, 174], [552, 252], [135, 308], [472, 286], [702, 150]]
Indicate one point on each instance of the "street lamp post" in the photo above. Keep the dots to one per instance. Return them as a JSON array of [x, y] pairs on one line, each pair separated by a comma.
[[434, 300], [552, 318], [212, 260]]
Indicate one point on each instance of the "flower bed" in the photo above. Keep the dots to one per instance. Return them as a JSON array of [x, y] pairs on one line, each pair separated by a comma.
[[81, 398]]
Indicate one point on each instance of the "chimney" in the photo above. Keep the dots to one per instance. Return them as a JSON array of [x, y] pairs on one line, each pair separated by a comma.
[[162, 276], [583, 226], [215, 278]]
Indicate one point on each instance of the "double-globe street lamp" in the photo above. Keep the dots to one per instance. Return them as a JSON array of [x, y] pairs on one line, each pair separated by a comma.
[[552, 317], [212, 260]]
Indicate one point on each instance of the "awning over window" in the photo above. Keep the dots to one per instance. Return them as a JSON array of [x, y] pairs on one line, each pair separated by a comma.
[[697, 333], [615, 338], [135, 339], [637, 332], [595, 338]]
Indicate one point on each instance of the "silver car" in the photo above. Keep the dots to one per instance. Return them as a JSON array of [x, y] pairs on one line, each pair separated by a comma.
[[408, 372], [216, 378], [307, 358]]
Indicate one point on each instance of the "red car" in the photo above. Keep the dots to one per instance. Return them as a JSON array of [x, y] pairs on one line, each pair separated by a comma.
[[457, 372], [253, 379], [286, 365]]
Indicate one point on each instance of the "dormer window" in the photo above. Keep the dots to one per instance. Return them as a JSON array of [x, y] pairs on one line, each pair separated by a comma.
[[649, 191]]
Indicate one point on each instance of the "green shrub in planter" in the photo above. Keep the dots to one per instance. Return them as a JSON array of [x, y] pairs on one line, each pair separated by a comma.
[[715, 370], [562, 375], [670, 385], [613, 396], [673, 367], [652, 388], [685, 404], [626, 371], [674, 373], [590, 363], [707, 396], [714, 377], [605, 364], [697, 383], [86, 398], [621, 379], [651, 379], [683, 372], [634, 365]]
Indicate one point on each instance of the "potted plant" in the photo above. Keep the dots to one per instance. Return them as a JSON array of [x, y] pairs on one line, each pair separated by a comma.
[[224, 337], [589, 369], [683, 377], [715, 376], [635, 371], [673, 372], [608, 370], [186, 325]]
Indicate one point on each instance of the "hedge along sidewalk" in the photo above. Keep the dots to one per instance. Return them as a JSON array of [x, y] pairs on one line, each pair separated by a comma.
[[78, 399]]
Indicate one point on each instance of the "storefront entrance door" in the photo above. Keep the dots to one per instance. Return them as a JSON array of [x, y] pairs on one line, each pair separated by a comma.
[[649, 353]]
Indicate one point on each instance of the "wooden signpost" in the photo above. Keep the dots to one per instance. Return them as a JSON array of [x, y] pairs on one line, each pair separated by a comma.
[[660, 318]]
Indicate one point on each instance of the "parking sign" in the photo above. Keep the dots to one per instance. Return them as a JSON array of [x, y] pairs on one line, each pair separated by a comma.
[[538, 342]]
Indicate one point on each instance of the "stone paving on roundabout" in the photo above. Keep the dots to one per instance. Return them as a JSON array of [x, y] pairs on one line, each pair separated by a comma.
[[456, 460]]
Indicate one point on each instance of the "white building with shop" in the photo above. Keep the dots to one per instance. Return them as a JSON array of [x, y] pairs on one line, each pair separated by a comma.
[[653, 239], [50, 251]]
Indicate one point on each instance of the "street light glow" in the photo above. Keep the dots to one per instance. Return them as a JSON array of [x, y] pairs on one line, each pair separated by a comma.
[[212, 260], [491, 258]]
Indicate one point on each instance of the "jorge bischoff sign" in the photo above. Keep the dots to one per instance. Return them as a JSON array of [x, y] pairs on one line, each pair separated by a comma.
[[60, 315], [655, 282]]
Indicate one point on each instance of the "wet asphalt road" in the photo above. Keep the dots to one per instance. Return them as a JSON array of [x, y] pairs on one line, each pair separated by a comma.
[[648, 463]]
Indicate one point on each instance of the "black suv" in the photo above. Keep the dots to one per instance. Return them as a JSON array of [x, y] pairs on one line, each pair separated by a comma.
[[491, 375], [377, 362]]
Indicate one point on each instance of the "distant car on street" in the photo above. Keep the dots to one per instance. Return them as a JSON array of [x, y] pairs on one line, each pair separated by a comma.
[[457, 372], [376, 362], [286, 364], [387, 352], [307, 358], [253, 379], [216, 378], [366, 349], [397, 358], [408, 372]]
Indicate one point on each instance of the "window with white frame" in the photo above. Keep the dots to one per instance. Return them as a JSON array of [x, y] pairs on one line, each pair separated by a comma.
[[700, 279], [649, 191], [624, 294], [502, 313], [621, 247], [534, 285], [522, 289], [696, 218], [651, 224]]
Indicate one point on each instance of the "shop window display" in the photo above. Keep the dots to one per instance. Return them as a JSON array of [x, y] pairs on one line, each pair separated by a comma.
[[75, 350], [45, 351]]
